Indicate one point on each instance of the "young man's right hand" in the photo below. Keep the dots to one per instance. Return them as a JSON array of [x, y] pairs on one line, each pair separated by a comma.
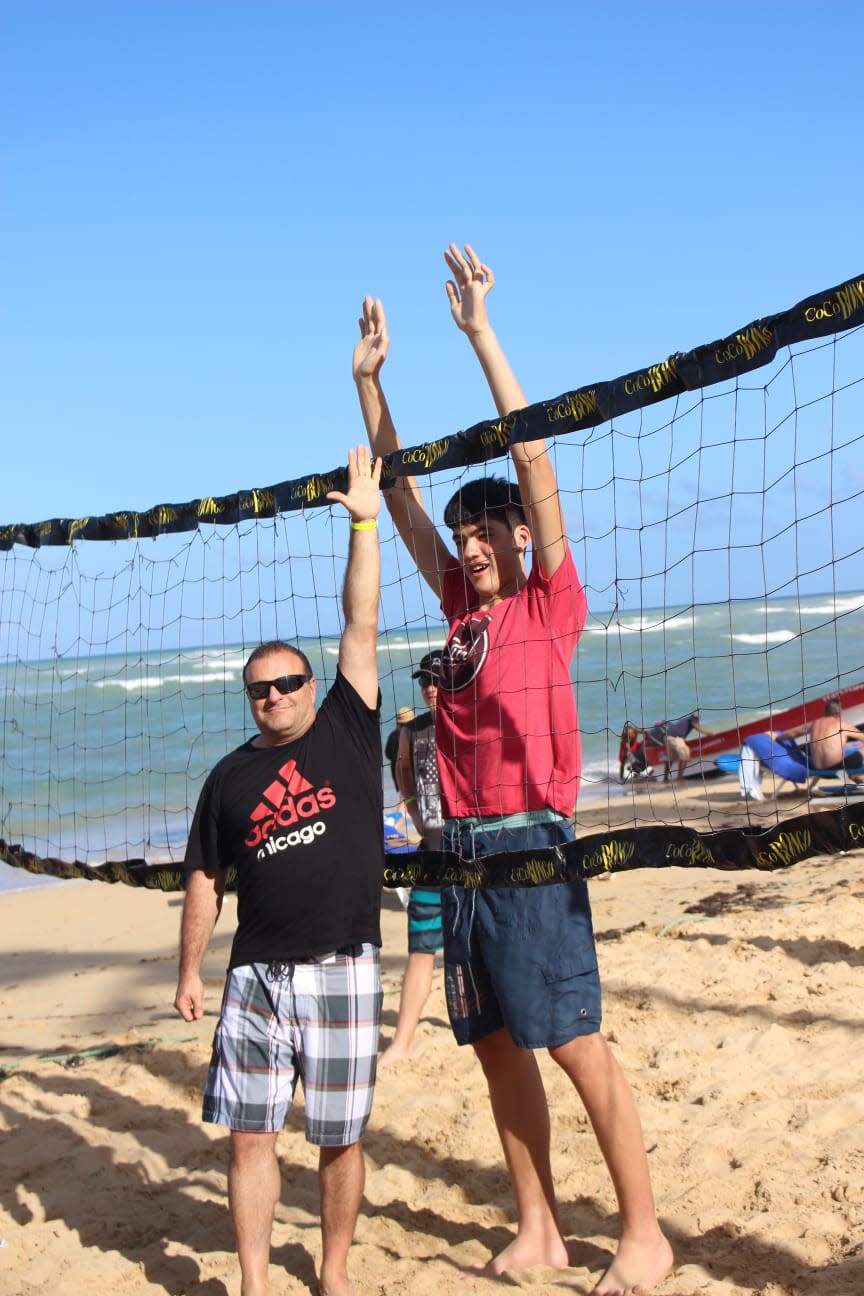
[[468, 289]]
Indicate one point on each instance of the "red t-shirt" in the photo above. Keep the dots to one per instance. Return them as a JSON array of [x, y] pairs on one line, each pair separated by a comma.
[[506, 726]]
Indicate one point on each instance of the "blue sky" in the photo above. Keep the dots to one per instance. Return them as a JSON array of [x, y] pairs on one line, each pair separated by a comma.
[[197, 195]]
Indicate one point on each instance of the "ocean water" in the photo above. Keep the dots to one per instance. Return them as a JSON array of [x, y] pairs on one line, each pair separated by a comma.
[[103, 756]]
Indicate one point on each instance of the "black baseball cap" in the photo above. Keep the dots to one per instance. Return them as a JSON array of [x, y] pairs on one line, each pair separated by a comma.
[[429, 665]]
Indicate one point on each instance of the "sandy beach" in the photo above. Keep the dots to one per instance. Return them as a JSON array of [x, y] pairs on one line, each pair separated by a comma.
[[732, 999]]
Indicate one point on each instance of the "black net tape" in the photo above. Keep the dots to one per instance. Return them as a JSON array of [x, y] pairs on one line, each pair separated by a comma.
[[827, 832]]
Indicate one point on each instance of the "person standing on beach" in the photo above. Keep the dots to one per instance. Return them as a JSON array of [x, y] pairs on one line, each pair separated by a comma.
[[404, 716], [672, 734], [297, 811], [520, 964], [391, 750], [417, 780]]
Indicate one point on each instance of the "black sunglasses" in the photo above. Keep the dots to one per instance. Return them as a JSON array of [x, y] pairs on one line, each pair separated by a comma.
[[426, 680], [260, 689]]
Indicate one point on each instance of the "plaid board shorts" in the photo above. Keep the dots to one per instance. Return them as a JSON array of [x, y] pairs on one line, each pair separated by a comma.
[[317, 1021]]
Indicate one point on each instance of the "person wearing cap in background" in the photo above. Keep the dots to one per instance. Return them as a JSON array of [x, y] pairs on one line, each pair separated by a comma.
[[391, 746], [417, 779], [404, 716]]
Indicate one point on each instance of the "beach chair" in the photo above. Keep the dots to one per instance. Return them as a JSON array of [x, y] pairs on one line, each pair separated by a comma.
[[788, 762]]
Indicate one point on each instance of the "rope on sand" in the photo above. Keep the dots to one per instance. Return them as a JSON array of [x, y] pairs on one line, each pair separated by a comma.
[[100, 1051]]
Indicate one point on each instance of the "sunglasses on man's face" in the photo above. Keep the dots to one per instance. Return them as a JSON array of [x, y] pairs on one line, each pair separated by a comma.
[[427, 680], [260, 689]]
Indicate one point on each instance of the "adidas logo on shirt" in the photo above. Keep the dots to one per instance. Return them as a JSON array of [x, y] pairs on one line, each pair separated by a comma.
[[288, 800]]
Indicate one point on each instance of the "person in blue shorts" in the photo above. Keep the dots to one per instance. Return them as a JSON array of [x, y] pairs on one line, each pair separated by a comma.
[[520, 964]]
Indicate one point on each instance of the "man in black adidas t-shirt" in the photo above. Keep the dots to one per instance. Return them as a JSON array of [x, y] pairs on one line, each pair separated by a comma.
[[298, 811]]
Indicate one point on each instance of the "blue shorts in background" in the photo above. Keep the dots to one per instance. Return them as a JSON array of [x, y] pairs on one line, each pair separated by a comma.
[[424, 921]]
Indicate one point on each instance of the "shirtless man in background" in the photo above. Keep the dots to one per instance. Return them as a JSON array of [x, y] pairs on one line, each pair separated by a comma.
[[827, 736]]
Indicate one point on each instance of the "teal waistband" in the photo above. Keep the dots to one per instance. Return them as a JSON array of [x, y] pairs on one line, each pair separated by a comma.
[[491, 823], [425, 895]]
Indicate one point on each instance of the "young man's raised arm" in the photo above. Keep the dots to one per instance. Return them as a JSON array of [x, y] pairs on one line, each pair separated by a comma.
[[358, 659], [404, 500], [467, 291]]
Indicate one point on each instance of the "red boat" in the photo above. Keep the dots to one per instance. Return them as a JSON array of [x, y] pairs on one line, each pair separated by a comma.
[[851, 700]]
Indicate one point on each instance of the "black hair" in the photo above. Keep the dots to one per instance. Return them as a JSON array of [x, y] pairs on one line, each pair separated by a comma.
[[277, 646], [492, 496]]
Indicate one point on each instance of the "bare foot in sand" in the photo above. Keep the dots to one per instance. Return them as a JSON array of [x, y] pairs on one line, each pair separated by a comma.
[[339, 1285], [523, 1253], [637, 1268]]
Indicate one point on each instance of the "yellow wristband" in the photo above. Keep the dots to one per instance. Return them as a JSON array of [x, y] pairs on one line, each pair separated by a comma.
[[364, 526]]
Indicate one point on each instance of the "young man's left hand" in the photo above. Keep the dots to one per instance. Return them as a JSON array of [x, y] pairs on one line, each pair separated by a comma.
[[371, 351]]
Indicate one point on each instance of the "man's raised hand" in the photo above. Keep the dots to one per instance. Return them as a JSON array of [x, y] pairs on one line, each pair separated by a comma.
[[363, 497]]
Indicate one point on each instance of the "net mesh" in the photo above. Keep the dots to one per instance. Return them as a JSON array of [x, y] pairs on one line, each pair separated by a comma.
[[716, 532]]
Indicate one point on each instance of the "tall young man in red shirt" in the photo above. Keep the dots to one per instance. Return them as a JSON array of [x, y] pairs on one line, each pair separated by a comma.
[[520, 965]]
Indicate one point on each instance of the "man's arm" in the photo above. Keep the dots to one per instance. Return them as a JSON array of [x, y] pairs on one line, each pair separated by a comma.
[[201, 908], [403, 499], [798, 731], [467, 292], [405, 780], [362, 585]]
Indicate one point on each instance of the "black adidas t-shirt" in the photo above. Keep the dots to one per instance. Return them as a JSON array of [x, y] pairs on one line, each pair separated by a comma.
[[303, 823]]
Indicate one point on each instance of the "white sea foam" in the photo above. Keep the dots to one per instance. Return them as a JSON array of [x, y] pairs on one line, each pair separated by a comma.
[[598, 772], [769, 637], [211, 659], [836, 607], [141, 682], [644, 625], [76, 672], [420, 643]]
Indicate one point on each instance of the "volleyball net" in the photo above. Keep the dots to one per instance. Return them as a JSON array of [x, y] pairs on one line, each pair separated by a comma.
[[712, 503]]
